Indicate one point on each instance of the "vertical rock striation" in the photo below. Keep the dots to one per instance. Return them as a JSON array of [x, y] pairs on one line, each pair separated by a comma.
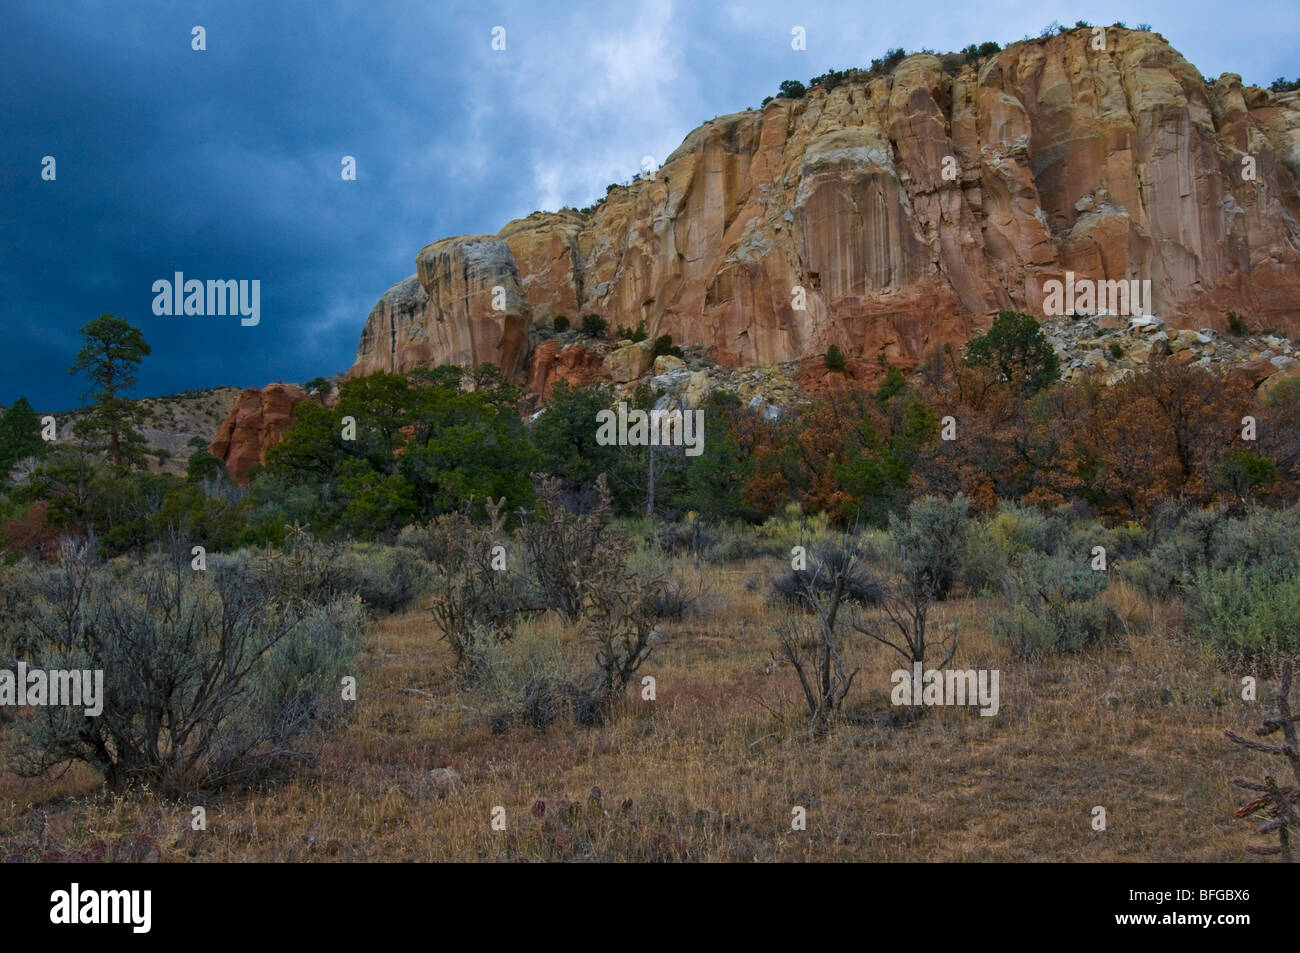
[[1112, 164]]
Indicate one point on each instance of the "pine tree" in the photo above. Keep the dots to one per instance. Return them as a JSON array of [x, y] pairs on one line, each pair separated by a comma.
[[112, 351], [20, 436]]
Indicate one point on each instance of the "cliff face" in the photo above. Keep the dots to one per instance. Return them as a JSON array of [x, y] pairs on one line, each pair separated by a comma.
[[1112, 164]]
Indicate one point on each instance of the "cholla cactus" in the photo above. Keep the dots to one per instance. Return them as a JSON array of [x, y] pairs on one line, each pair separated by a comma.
[[1277, 802]]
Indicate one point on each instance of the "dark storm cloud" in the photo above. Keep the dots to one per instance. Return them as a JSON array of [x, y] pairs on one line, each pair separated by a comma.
[[225, 163], [220, 164]]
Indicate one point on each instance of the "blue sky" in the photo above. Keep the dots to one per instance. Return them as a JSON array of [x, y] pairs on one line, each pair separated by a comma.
[[226, 163]]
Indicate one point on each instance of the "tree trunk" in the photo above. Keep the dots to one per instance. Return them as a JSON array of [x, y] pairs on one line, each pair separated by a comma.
[[650, 493]]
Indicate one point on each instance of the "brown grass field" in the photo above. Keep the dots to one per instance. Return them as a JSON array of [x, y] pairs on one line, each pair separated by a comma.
[[711, 769]]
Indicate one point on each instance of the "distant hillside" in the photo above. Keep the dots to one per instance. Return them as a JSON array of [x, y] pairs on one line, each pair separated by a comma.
[[174, 420]]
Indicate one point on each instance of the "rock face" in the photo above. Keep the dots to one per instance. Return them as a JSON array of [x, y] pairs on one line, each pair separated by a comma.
[[909, 208], [465, 305], [554, 361], [257, 422], [398, 316]]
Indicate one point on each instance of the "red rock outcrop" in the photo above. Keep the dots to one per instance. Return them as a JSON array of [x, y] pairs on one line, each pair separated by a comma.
[[908, 208], [552, 362], [816, 380], [257, 422]]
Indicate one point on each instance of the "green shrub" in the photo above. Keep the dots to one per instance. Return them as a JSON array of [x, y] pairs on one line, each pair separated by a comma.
[[532, 680], [1235, 324], [208, 679], [735, 542], [929, 543], [664, 345], [1019, 529], [387, 578], [831, 79], [561, 324], [983, 560], [835, 360], [1054, 606], [635, 335], [1151, 575], [1286, 393], [1116, 350], [690, 537], [792, 527], [1243, 472], [1017, 351], [792, 89], [1075, 536], [1267, 538], [893, 384], [798, 587], [304, 570], [1189, 540], [593, 325], [1249, 614], [891, 59]]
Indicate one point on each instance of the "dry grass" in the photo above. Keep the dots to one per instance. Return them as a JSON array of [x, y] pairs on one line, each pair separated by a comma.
[[712, 768]]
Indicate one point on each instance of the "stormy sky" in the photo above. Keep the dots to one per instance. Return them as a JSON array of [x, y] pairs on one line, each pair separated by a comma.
[[225, 163]]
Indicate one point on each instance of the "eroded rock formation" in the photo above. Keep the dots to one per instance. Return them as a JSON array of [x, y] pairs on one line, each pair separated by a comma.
[[1113, 164], [257, 422]]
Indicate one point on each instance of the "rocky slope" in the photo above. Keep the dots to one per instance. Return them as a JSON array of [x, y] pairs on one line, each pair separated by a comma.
[[174, 424], [1115, 346], [1112, 164], [1108, 346]]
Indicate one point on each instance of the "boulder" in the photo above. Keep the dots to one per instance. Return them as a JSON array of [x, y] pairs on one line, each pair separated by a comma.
[[698, 389], [444, 781], [1279, 379], [628, 363]]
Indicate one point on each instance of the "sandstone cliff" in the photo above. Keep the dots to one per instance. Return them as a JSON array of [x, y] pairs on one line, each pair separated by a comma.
[[1113, 164], [257, 422]]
